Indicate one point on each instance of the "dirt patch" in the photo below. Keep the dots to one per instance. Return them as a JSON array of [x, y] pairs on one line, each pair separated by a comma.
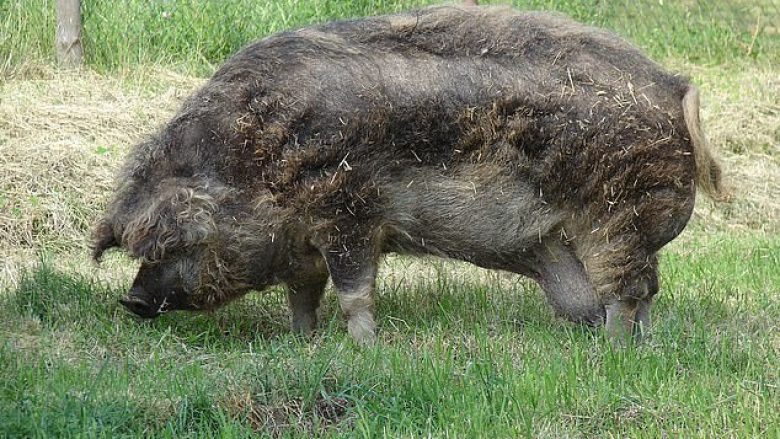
[[278, 419]]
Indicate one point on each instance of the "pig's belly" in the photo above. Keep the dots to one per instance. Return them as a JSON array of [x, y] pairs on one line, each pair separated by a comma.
[[493, 223]]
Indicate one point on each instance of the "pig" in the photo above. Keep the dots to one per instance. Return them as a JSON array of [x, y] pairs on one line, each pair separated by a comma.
[[517, 141]]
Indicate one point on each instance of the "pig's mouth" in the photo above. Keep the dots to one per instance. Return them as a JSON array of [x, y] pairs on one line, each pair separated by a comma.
[[145, 305]]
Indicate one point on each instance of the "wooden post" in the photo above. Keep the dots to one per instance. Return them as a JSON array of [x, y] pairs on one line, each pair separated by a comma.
[[68, 36]]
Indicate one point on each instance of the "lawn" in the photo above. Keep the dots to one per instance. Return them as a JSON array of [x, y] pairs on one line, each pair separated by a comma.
[[462, 352]]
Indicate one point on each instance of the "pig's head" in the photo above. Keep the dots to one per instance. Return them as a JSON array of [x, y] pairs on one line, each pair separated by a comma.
[[187, 236]]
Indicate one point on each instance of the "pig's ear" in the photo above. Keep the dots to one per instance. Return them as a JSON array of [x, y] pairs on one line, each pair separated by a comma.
[[182, 216], [103, 238]]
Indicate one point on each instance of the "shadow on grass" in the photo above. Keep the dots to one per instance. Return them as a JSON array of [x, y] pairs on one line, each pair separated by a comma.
[[448, 303], [59, 299], [64, 300]]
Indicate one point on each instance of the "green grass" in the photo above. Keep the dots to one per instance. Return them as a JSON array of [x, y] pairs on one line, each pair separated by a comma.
[[457, 358], [198, 34]]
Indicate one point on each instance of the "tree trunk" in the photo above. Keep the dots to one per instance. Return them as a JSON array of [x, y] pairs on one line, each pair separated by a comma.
[[68, 36]]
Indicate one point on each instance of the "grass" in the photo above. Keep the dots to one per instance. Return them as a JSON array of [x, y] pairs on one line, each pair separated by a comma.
[[196, 35], [463, 353]]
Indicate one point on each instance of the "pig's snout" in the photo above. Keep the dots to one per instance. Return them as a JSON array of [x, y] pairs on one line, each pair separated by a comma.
[[141, 306]]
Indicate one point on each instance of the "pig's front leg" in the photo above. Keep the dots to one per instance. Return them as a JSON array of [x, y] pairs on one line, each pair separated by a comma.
[[305, 276], [353, 271], [303, 296]]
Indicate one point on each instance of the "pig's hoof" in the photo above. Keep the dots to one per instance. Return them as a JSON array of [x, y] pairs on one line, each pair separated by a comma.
[[304, 324], [362, 329], [619, 341]]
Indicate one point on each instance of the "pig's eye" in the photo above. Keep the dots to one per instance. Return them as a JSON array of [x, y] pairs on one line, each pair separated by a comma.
[[169, 276], [186, 272]]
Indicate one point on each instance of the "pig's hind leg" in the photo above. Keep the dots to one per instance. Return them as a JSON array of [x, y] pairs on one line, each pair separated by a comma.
[[628, 312], [647, 289]]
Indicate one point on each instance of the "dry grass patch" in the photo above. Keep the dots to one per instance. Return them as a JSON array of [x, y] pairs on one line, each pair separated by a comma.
[[741, 116], [62, 139]]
